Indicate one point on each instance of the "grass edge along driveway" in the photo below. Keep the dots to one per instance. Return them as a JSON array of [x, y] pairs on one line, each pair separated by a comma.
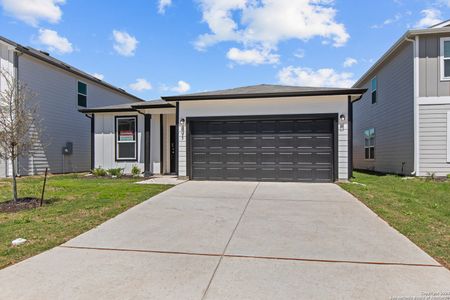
[[418, 208], [76, 205]]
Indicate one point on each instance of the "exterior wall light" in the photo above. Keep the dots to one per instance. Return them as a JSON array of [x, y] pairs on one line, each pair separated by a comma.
[[182, 123], [342, 118]]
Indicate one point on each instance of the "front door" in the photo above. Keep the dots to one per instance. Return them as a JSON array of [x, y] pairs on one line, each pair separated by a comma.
[[173, 133]]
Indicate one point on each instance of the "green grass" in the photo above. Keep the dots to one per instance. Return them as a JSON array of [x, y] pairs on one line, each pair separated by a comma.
[[77, 204], [418, 208]]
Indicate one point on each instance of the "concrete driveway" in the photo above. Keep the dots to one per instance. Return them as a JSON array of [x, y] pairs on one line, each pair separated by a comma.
[[234, 240]]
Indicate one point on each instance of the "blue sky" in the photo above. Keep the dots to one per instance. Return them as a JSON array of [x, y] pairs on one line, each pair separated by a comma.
[[165, 47]]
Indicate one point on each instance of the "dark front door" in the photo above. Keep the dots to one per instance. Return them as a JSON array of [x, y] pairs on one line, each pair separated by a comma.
[[173, 150], [263, 150]]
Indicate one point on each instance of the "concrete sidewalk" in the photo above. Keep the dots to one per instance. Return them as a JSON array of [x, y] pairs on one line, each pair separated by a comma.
[[234, 240]]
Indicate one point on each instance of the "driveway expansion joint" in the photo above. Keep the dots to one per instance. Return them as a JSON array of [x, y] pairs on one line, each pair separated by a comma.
[[229, 240], [312, 260]]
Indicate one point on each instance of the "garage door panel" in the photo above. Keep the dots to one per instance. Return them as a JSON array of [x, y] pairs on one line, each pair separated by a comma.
[[262, 150], [323, 174]]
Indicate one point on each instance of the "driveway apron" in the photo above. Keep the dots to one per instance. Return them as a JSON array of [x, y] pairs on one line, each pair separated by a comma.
[[234, 240]]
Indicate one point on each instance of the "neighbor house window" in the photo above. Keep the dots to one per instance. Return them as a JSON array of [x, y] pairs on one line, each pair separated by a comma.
[[126, 145], [374, 90], [445, 58], [369, 144], [82, 94]]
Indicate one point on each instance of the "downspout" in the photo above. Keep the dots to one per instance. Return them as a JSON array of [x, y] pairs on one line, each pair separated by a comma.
[[415, 42], [92, 117]]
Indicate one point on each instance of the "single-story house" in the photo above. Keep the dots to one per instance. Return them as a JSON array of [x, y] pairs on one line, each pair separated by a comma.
[[255, 133]]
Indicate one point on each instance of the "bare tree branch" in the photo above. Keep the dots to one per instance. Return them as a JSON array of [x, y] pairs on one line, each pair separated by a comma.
[[19, 121]]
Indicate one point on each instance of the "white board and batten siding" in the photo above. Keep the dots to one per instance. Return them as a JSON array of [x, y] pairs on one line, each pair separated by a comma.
[[56, 91], [434, 135], [7, 66], [269, 106], [434, 108], [105, 135]]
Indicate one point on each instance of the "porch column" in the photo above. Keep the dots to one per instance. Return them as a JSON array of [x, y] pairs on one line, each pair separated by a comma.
[[161, 143], [147, 143]]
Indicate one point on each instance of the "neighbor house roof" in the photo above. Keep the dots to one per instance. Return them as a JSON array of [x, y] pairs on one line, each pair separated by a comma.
[[45, 57], [266, 91], [407, 37], [128, 107]]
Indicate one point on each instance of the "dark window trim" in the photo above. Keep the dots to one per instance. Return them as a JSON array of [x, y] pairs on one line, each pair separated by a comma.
[[369, 147], [374, 99], [329, 116], [78, 93], [136, 138]]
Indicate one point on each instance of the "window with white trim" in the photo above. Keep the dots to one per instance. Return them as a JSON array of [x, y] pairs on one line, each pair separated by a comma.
[[369, 144], [445, 58], [374, 84], [126, 142]]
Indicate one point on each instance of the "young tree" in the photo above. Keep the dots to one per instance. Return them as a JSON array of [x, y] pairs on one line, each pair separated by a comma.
[[19, 129]]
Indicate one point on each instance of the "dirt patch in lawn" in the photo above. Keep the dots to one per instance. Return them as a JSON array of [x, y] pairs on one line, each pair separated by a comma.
[[19, 205]]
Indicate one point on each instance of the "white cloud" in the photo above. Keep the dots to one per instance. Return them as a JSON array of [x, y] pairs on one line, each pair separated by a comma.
[[387, 22], [54, 42], [300, 53], [182, 87], [265, 23], [349, 62], [252, 56], [124, 43], [162, 5], [140, 85], [430, 17], [34, 11], [321, 78], [98, 76], [444, 2]]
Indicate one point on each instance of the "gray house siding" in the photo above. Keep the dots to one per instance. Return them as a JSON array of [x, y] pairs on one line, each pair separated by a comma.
[[433, 137], [392, 116], [430, 84], [55, 91]]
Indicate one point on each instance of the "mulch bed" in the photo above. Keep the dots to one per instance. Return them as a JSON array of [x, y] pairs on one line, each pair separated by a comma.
[[21, 204]]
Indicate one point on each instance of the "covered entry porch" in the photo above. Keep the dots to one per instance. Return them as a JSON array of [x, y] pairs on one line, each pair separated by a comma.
[[138, 134]]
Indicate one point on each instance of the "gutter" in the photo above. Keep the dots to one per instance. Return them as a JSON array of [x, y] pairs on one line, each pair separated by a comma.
[[354, 91]]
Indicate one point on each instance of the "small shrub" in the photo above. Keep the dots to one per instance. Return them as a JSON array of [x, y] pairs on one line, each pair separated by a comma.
[[448, 176], [135, 171], [115, 172], [99, 172]]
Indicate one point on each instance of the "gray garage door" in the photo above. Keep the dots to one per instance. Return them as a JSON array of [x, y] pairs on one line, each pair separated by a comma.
[[262, 150]]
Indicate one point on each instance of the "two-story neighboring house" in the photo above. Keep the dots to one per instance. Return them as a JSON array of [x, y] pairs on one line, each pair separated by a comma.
[[59, 90], [402, 123]]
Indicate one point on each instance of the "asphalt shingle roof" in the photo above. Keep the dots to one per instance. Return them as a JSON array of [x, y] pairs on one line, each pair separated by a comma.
[[264, 90]]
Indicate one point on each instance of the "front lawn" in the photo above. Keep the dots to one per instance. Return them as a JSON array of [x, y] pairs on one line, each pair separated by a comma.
[[418, 208], [76, 204]]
